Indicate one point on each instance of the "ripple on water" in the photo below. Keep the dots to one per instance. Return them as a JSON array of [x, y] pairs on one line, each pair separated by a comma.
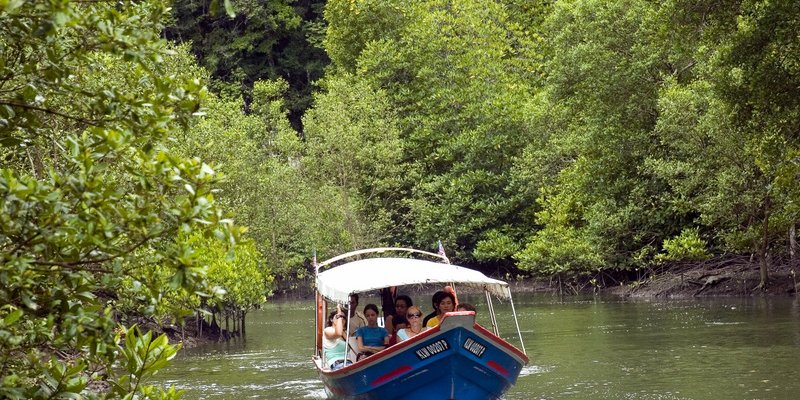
[[699, 350], [266, 365], [293, 389], [535, 370]]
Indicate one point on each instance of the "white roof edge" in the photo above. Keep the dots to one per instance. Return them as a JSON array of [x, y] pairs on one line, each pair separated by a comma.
[[377, 250], [337, 283]]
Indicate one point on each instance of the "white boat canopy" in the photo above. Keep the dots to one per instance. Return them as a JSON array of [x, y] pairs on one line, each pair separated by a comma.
[[337, 283]]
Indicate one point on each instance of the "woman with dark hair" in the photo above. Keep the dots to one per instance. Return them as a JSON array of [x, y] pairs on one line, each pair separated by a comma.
[[401, 304], [334, 347], [446, 304], [371, 338], [437, 297]]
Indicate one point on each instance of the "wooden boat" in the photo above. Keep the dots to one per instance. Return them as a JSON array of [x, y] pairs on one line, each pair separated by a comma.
[[459, 359]]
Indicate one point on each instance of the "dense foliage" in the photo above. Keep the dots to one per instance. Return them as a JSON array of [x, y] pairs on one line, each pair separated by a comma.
[[97, 203], [263, 40], [572, 137]]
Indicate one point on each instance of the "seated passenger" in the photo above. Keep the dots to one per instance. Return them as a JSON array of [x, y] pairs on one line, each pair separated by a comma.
[[371, 338], [401, 305], [357, 319], [437, 297], [414, 316], [465, 307], [446, 304], [400, 323], [333, 345]]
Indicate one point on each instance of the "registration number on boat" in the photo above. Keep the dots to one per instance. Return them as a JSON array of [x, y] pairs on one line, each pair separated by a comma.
[[474, 347], [432, 349]]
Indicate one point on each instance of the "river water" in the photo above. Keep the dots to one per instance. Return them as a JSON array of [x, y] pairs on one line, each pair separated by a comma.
[[590, 348]]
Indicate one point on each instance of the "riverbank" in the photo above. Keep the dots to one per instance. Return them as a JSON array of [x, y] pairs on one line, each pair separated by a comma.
[[708, 279], [190, 334], [719, 278], [736, 276], [715, 279]]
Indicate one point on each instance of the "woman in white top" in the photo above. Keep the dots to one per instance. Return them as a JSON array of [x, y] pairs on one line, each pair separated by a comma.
[[334, 348], [414, 316]]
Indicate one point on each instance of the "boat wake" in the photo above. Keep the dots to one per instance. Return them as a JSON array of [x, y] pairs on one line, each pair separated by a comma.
[[534, 370]]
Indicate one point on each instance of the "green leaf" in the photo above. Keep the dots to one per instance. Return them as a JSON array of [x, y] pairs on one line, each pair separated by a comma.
[[8, 6], [229, 9], [7, 111], [9, 141], [29, 302], [12, 317]]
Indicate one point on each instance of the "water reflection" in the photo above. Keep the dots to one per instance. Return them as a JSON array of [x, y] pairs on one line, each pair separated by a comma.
[[585, 348]]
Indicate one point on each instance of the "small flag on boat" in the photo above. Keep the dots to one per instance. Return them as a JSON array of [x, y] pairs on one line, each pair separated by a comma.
[[441, 252]]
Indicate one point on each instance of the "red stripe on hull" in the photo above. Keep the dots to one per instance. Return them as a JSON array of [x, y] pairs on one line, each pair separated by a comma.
[[497, 367], [390, 375]]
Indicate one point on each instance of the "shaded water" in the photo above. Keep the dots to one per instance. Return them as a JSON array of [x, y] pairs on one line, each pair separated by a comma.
[[737, 348]]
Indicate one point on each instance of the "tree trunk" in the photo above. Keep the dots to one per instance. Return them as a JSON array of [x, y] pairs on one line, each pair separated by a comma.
[[37, 168], [764, 253], [241, 323], [792, 242], [199, 322], [560, 286], [236, 320]]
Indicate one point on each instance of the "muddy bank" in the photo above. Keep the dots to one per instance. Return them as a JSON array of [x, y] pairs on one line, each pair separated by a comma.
[[190, 334], [718, 278], [733, 276], [740, 279]]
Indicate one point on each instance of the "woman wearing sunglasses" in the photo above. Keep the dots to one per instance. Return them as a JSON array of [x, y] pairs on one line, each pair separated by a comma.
[[414, 317]]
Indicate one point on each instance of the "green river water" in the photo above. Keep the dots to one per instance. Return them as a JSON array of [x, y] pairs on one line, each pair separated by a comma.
[[595, 348]]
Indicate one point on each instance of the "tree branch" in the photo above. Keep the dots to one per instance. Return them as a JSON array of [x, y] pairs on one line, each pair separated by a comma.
[[49, 111], [73, 264]]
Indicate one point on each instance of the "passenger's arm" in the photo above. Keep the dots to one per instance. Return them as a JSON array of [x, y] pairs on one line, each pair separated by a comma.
[[361, 347], [449, 289], [336, 330], [388, 323]]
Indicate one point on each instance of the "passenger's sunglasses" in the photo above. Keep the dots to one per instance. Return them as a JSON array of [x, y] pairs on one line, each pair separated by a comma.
[[413, 315]]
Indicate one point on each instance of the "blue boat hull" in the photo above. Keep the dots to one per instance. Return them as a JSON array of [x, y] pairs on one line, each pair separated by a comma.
[[457, 360]]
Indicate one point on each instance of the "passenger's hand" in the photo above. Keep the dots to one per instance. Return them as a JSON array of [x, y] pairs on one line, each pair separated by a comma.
[[449, 289]]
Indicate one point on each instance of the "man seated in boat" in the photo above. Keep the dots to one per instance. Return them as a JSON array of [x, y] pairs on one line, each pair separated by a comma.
[[357, 319], [371, 338]]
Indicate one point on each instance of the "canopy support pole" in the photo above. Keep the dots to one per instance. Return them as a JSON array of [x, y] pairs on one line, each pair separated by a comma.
[[491, 313], [516, 322]]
